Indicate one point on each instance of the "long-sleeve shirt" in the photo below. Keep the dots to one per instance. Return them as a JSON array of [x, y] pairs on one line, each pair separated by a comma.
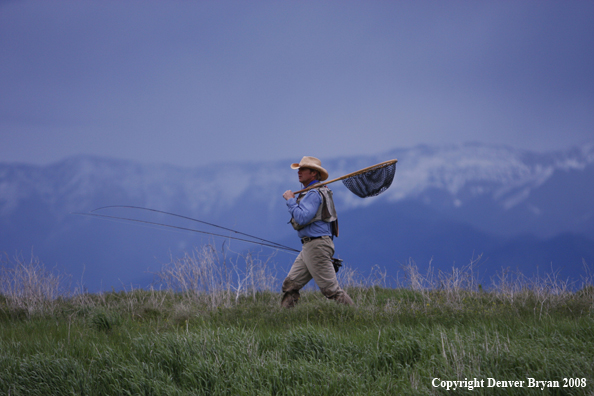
[[305, 210]]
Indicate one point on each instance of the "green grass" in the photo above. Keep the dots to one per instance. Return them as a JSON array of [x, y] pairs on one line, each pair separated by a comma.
[[217, 329], [394, 341]]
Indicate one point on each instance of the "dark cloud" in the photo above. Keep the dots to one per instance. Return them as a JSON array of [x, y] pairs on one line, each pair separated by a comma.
[[191, 83]]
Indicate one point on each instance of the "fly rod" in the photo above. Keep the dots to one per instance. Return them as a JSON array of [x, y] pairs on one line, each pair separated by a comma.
[[270, 244], [188, 218]]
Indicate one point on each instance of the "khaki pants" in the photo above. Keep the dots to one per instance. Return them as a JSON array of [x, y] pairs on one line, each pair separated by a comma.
[[314, 261]]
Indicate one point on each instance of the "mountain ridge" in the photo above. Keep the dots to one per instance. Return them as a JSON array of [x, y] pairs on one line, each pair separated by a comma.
[[423, 167], [492, 196]]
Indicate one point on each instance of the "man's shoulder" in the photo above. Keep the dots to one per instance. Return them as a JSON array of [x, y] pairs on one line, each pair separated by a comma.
[[320, 189], [314, 192]]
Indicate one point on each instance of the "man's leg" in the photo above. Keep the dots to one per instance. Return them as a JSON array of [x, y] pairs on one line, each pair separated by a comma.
[[297, 278], [317, 255]]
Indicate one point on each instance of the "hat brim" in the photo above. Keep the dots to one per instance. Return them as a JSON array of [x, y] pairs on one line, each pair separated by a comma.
[[323, 172]]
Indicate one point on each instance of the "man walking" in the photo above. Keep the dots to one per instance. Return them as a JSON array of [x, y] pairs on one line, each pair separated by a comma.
[[314, 217]]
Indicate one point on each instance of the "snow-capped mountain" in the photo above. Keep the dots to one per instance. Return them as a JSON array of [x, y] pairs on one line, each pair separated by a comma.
[[445, 202]]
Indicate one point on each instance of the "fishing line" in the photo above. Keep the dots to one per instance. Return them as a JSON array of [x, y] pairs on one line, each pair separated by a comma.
[[196, 220], [272, 245]]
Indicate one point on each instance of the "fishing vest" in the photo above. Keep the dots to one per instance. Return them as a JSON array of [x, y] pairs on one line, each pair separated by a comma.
[[326, 211]]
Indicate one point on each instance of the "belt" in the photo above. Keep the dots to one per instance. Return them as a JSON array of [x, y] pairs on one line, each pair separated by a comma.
[[307, 239]]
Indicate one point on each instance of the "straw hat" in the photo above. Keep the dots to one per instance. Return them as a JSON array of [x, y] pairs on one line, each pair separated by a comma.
[[312, 163]]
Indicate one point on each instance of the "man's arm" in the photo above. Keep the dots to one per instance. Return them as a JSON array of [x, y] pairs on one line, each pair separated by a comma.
[[307, 207]]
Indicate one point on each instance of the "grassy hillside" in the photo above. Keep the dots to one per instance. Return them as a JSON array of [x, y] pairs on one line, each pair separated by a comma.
[[202, 335]]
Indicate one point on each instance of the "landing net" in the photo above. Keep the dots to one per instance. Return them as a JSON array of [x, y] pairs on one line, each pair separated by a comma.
[[372, 182]]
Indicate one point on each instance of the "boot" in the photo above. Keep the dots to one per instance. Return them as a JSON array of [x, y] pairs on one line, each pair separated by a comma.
[[343, 298], [289, 299], [291, 293], [339, 296]]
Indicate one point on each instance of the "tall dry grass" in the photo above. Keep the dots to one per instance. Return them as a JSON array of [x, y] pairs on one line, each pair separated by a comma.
[[28, 286], [207, 278], [541, 293], [217, 277]]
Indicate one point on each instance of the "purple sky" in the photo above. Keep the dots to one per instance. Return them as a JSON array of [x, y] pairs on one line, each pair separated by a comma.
[[189, 83]]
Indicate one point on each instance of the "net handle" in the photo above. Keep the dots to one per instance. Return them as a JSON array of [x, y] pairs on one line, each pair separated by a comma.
[[364, 170]]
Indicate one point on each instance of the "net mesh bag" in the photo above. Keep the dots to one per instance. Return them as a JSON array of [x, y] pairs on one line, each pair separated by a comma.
[[372, 182]]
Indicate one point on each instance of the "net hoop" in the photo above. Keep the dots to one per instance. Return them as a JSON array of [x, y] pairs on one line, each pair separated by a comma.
[[371, 172]]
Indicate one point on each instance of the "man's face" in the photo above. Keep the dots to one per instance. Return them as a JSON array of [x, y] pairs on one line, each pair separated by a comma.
[[306, 175]]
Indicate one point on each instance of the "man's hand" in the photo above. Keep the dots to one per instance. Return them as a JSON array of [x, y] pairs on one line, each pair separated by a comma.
[[288, 195]]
